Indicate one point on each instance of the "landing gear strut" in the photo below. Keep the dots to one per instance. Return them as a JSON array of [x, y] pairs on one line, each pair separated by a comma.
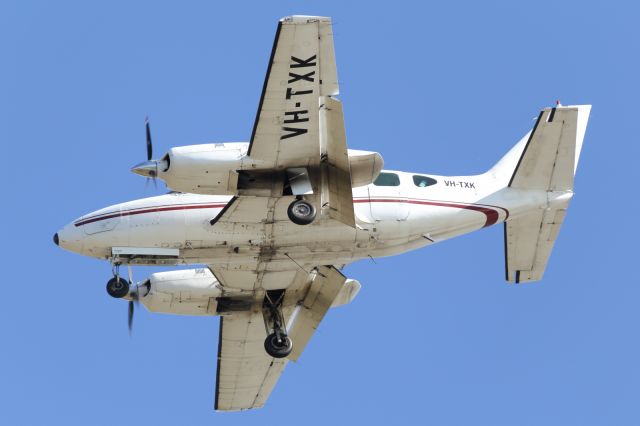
[[277, 344], [301, 212]]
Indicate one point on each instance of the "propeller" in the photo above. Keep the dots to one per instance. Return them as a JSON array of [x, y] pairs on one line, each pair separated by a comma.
[[130, 316], [148, 168], [133, 301], [136, 291], [152, 173], [149, 144]]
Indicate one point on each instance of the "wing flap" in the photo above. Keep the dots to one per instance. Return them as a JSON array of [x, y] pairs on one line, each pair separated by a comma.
[[323, 291], [333, 142]]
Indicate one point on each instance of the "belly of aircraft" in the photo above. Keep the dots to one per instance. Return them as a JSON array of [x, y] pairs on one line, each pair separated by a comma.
[[182, 222]]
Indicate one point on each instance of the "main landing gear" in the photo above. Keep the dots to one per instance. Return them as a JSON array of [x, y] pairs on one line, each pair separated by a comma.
[[277, 344], [301, 212]]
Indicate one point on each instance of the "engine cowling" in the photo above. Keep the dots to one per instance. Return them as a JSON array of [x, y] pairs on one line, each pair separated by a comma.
[[198, 292], [365, 167], [184, 292], [214, 168], [204, 169]]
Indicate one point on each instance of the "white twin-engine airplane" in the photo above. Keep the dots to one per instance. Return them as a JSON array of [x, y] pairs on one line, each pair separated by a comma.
[[275, 219]]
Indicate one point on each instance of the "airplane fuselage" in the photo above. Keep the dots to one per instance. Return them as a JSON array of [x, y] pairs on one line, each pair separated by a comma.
[[399, 212]]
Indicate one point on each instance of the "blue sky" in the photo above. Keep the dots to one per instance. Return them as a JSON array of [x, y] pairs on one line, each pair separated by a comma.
[[436, 336]]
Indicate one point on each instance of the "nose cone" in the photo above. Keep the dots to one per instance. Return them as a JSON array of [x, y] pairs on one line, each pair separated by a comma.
[[69, 238]]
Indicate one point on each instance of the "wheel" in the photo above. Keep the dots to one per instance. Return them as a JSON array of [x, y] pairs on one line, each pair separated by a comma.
[[278, 349], [301, 212], [118, 287]]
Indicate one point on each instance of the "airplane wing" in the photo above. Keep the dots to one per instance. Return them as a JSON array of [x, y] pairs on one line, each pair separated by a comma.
[[298, 123], [302, 68], [299, 130], [246, 375]]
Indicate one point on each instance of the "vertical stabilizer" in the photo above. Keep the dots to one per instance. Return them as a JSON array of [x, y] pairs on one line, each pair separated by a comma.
[[554, 144], [550, 157], [547, 162]]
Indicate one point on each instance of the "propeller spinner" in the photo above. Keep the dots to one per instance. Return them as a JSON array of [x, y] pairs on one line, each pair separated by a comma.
[[149, 168]]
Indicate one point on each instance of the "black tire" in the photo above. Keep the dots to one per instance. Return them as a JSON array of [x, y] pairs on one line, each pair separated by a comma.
[[301, 212], [118, 287], [278, 349]]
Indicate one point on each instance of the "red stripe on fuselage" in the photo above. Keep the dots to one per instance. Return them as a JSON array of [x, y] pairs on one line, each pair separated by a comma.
[[490, 212], [148, 210]]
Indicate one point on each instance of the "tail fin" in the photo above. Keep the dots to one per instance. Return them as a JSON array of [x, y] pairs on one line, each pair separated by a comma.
[[547, 162], [546, 158]]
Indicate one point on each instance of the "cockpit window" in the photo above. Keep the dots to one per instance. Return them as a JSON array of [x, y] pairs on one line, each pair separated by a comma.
[[423, 181], [387, 179]]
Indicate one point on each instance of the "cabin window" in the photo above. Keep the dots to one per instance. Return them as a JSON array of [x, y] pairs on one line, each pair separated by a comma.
[[423, 181], [387, 179]]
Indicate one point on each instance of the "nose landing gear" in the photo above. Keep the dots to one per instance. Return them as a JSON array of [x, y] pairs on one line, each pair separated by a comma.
[[117, 286], [120, 288], [277, 344]]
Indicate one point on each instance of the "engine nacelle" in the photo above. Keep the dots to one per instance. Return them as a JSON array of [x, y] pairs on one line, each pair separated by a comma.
[[214, 169], [204, 169], [184, 292], [365, 167], [198, 292]]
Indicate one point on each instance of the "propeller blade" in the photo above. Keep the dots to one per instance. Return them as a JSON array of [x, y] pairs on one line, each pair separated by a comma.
[[130, 316], [134, 298], [149, 144]]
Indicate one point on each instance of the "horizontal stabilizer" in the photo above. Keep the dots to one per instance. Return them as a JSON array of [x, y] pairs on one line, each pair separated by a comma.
[[528, 243]]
